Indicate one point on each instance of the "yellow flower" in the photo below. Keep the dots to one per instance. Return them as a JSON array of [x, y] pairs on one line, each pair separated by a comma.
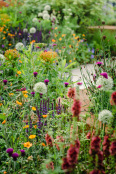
[[27, 126], [43, 144], [32, 136], [35, 126], [77, 37], [3, 38], [9, 44], [70, 46], [11, 94], [63, 35], [27, 144], [30, 158], [33, 108], [74, 58], [4, 122], [19, 103], [70, 61], [44, 116], [53, 40], [24, 92], [60, 39], [55, 35], [0, 104], [5, 172], [20, 61], [56, 28], [19, 72], [25, 95], [10, 84], [83, 35], [73, 34]]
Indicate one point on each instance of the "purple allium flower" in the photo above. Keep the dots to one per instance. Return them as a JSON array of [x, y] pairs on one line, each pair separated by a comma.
[[104, 74], [66, 84], [92, 56], [33, 93], [5, 82], [9, 151], [46, 81], [99, 63], [15, 156], [99, 86], [22, 152], [79, 83], [35, 74], [40, 95]]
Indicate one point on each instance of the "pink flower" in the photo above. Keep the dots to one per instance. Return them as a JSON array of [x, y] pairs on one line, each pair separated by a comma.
[[99, 86], [99, 63], [106, 145], [95, 145], [72, 155], [48, 140], [71, 93], [112, 149], [113, 98], [104, 74], [79, 83], [76, 108]]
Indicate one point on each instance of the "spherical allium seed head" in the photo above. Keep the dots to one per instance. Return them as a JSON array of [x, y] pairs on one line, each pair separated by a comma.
[[15, 156], [105, 116], [47, 7], [46, 16], [32, 30], [106, 84], [34, 20], [19, 46], [40, 87], [46, 81], [33, 93], [22, 152], [9, 151], [35, 74], [66, 84], [5, 82]]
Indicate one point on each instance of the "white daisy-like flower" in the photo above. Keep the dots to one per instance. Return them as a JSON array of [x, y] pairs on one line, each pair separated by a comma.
[[25, 30], [106, 84], [47, 7], [40, 14], [32, 30], [105, 116], [19, 46], [40, 87], [46, 16], [35, 20], [45, 12], [2, 58]]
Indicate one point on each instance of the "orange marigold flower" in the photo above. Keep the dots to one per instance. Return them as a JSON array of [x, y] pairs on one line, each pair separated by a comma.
[[43, 144], [53, 40], [11, 94], [27, 144], [63, 35], [1, 104], [44, 116], [32, 136], [33, 108], [60, 39], [19, 72], [25, 95], [19, 103], [35, 126], [4, 122], [70, 61], [5, 172], [25, 127], [20, 61]]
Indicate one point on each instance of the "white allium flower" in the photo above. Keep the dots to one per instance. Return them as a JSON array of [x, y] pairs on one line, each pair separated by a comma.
[[45, 12], [106, 84], [40, 87], [2, 58], [35, 20], [32, 30], [25, 30], [47, 7], [19, 46], [46, 16], [105, 116], [40, 14]]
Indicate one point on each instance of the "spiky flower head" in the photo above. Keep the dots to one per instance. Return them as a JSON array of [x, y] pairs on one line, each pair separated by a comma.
[[15, 156], [47, 7], [40, 87], [19, 46], [46, 16], [105, 116], [34, 20], [104, 74], [106, 84], [45, 12], [40, 14], [2, 58], [9, 151], [32, 30], [25, 30]]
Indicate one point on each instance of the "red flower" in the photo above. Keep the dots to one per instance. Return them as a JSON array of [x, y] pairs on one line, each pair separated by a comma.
[[100, 157], [71, 93], [65, 164], [48, 140], [50, 166], [59, 139], [106, 145], [77, 143], [72, 155], [95, 144], [88, 136], [76, 108], [95, 172], [113, 98], [112, 149]]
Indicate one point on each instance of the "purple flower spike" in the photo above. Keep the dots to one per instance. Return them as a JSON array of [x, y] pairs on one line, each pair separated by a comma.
[[79, 83], [9, 151], [22, 152], [104, 74], [5, 82], [99, 63], [99, 86], [66, 84], [33, 93], [35, 74], [46, 81], [15, 156]]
